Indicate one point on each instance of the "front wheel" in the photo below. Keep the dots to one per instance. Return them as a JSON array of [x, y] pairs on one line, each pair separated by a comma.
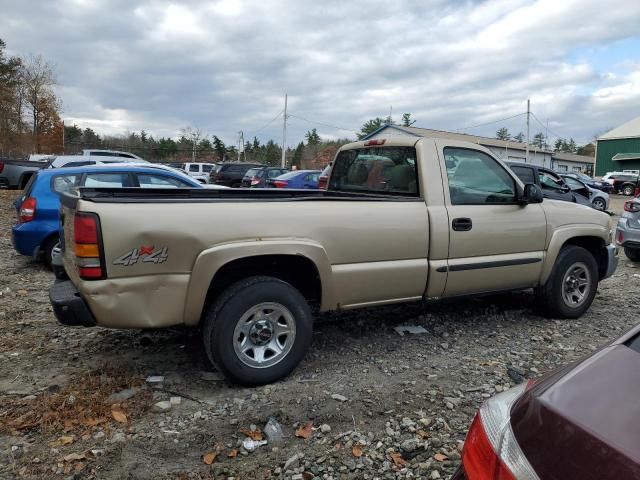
[[599, 204], [572, 285], [258, 330], [632, 254]]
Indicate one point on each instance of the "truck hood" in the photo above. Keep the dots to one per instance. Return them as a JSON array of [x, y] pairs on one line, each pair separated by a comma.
[[561, 213]]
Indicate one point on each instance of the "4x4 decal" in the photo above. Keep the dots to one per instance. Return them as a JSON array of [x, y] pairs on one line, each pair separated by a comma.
[[145, 254]]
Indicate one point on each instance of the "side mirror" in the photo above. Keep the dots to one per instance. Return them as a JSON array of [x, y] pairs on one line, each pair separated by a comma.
[[532, 194]]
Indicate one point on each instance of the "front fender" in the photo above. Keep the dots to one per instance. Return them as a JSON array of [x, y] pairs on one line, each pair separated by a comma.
[[562, 235], [209, 261]]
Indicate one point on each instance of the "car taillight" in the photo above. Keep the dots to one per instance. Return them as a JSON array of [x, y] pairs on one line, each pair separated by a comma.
[[28, 210], [631, 206], [323, 182], [86, 228], [372, 143], [619, 237], [280, 183], [636, 193], [491, 451], [1, 166]]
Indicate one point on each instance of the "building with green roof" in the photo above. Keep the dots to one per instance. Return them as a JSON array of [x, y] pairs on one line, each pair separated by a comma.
[[619, 149]]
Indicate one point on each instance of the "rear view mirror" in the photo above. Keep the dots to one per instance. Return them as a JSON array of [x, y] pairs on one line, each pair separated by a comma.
[[532, 193]]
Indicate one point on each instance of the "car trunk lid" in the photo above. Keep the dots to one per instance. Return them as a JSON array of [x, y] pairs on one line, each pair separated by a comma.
[[584, 423]]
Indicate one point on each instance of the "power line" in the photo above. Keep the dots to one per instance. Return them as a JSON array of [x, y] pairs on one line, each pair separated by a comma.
[[321, 123], [490, 123], [265, 125], [543, 126]]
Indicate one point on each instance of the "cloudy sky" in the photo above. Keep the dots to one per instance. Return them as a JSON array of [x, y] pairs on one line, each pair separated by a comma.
[[224, 66]]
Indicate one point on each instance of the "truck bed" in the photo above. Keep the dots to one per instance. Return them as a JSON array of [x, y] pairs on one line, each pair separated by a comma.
[[199, 195]]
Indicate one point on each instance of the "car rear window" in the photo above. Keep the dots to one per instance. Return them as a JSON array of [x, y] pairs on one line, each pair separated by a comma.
[[253, 172], [381, 170]]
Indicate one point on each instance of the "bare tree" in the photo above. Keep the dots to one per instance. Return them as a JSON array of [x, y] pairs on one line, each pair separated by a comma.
[[40, 100]]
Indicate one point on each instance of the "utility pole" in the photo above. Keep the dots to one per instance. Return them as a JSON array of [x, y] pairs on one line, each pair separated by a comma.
[[546, 141], [240, 145], [526, 155], [390, 114], [193, 152], [284, 134]]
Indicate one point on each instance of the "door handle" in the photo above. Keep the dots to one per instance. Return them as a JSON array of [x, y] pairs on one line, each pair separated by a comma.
[[462, 224]]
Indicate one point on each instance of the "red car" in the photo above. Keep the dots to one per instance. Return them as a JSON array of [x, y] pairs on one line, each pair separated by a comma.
[[581, 422]]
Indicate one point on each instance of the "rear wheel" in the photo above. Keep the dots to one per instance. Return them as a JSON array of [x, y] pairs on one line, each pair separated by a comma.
[[599, 204], [572, 285], [47, 249], [628, 190], [632, 254], [258, 330]]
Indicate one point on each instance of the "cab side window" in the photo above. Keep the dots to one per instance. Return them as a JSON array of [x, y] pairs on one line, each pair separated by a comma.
[[475, 178]]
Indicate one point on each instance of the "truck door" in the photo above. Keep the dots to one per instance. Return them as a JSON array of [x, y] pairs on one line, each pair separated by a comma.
[[494, 242]]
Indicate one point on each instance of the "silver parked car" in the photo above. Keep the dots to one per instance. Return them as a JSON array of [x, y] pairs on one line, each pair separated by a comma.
[[599, 199], [628, 231]]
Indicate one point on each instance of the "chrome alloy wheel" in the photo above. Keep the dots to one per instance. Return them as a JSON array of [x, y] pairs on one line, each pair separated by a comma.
[[576, 285], [264, 335]]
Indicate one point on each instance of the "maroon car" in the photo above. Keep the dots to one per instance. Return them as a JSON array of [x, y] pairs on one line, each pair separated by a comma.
[[581, 422]]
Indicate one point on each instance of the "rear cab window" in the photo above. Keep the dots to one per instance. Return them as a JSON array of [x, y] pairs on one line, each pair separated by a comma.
[[107, 180], [377, 170], [64, 183]]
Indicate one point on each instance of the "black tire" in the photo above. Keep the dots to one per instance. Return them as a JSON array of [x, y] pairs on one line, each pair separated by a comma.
[[47, 248], [236, 184], [551, 295], [628, 190], [223, 319], [599, 204], [632, 254]]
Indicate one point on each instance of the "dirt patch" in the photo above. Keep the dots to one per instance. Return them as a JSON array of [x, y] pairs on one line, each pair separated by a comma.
[[380, 405]]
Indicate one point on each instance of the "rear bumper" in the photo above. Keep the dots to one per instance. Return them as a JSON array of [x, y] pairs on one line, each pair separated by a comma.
[[630, 235], [26, 240], [612, 260], [68, 306]]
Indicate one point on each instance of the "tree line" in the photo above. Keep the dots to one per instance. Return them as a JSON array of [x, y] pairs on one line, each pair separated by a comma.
[[540, 141], [29, 109]]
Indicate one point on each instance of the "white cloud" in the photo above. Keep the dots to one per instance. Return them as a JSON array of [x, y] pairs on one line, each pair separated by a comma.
[[225, 65]]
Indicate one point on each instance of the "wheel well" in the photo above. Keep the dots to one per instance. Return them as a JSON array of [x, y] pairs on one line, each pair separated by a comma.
[[296, 270], [595, 246]]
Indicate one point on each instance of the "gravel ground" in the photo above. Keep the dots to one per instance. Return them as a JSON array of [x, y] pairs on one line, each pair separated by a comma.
[[372, 403]]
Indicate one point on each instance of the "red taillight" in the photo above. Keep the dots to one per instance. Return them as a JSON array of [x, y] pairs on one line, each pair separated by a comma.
[[478, 457], [372, 143], [619, 237], [85, 228], [323, 182], [491, 450], [631, 206], [86, 235], [280, 183], [28, 210], [636, 193], [1, 166]]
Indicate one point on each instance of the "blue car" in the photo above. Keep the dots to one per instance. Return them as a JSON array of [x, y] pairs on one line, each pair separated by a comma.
[[297, 179], [36, 233]]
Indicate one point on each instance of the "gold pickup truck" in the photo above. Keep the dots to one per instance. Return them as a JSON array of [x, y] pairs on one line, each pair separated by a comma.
[[402, 220]]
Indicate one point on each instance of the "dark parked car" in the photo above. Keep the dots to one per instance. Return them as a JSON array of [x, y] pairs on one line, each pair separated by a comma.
[[625, 183], [230, 174], [261, 177], [606, 187], [579, 422], [552, 185]]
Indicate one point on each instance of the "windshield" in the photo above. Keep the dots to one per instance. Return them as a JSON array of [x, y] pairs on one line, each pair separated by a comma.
[[386, 170]]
